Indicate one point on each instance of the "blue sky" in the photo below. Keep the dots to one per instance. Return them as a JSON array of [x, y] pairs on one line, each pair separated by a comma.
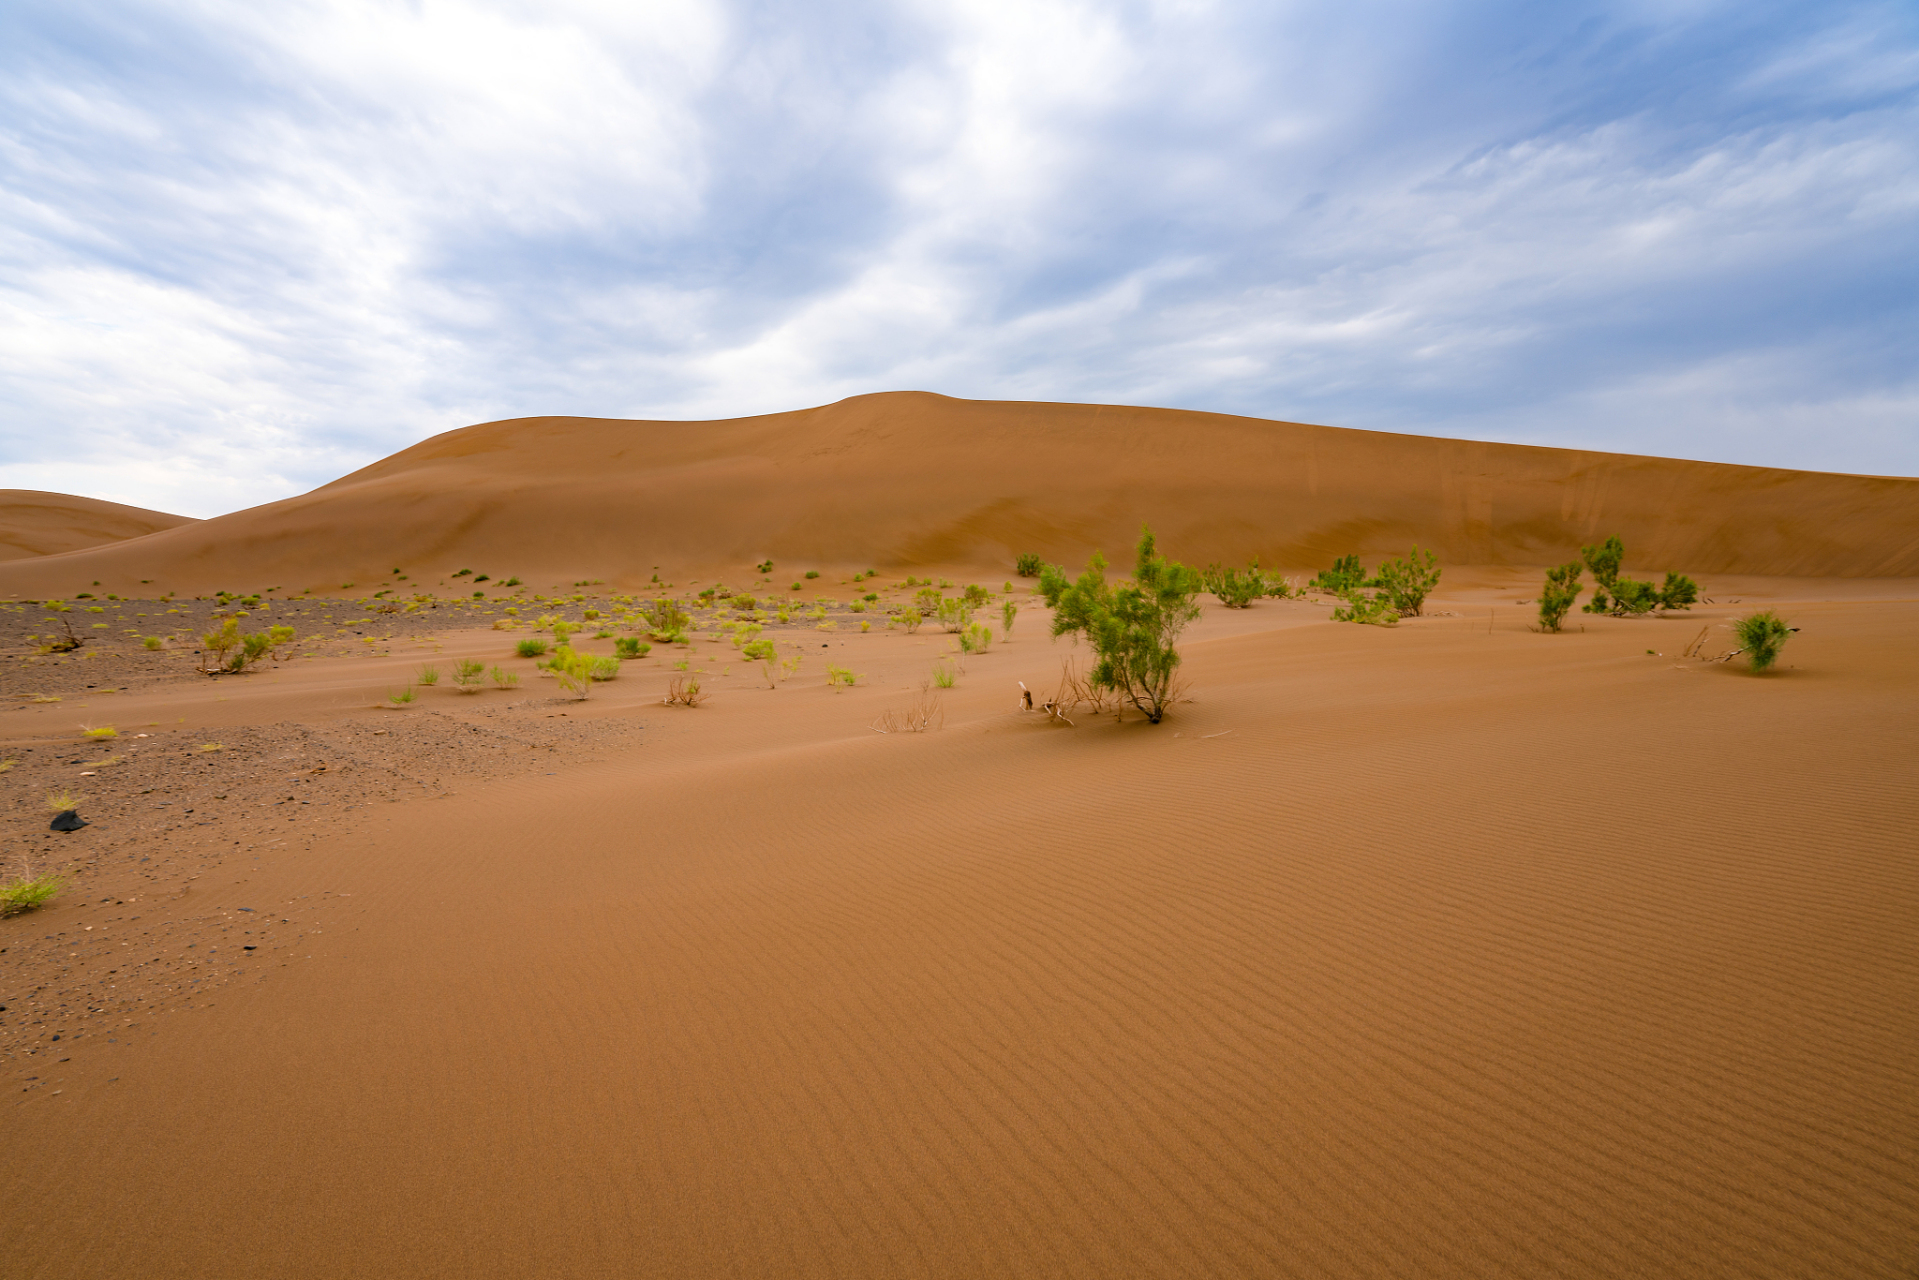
[[245, 248]]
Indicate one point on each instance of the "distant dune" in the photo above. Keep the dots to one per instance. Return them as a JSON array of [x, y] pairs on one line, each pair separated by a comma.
[[909, 478], [44, 524]]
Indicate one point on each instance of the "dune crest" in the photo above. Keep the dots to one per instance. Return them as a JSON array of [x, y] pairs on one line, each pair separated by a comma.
[[33, 523], [911, 478]]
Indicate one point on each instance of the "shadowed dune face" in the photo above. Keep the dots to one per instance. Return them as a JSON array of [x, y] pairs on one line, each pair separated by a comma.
[[43, 524], [907, 479]]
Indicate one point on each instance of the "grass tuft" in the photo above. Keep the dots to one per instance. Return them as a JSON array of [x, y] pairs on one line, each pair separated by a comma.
[[28, 891]]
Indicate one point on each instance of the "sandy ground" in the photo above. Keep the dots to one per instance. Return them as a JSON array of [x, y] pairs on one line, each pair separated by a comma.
[[1446, 950]]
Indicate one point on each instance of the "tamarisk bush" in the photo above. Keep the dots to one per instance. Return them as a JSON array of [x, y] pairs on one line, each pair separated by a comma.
[[1561, 589], [1629, 597], [1132, 628], [1405, 584], [1762, 635]]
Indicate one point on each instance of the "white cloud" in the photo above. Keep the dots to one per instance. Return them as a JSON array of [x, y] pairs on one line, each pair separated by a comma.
[[309, 235]]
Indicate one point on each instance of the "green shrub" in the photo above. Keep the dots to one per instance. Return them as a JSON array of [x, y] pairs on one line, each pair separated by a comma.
[[428, 676], [153, 642], [943, 675], [811, 574], [977, 638], [910, 619], [1235, 588], [975, 595], [1679, 592], [401, 698], [631, 647], [504, 678], [666, 622], [1761, 636], [841, 677], [530, 648], [1027, 564], [764, 566], [1372, 610], [1133, 628], [101, 731], [1345, 575], [1007, 612], [469, 675], [1405, 584], [745, 604], [1557, 596], [574, 670], [955, 614], [27, 891]]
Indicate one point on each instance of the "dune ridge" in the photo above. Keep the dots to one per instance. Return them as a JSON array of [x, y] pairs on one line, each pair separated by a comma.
[[902, 479], [34, 523]]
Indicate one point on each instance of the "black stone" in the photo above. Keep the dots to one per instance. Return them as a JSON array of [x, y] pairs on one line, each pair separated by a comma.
[[68, 820]]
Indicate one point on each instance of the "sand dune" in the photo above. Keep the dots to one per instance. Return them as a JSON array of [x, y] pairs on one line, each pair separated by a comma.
[[41, 524], [906, 479]]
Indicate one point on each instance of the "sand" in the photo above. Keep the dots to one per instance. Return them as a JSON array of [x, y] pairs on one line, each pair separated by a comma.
[[1445, 950], [40, 524]]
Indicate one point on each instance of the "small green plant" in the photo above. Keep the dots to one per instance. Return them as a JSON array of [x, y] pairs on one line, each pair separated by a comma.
[[796, 587], [1557, 596], [684, 691], [1629, 597], [469, 675], [1027, 564], [764, 566], [976, 638], [101, 731], [61, 801], [1345, 575], [153, 643], [812, 573], [666, 622], [428, 676], [955, 614], [28, 891], [504, 678], [572, 669], [1007, 612], [943, 675], [631, 647], [563, 631], [1679, 592], [1405, 584], [530, 648], [402, 697], [910, 619], [1236, 588], [1761, 636], [839, 677], [1373, 610], [602, 634], [745, 603]]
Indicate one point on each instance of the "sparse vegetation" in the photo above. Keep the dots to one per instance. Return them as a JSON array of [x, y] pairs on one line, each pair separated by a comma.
[[504, 678], [153, 643], [1405, 584], [1372, 610], [1027, 564], [100, 731], [839, 677], [943, 674], [1629, 597], [1007, 612], [402, 697], [1133, 629], [469, 675], [1345, 576], [428, 676], [910, 618], [531, 647], [28, 890], [1236, 588], [1761, 636], [666, 622], [1557, 596], [61, 801], [631, 647], [684, 691]]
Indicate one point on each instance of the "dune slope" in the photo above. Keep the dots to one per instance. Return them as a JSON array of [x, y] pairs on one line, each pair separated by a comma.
[[33, 523], [908, 478]]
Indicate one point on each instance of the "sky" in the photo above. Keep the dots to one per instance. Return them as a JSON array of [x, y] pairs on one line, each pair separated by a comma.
[[246, 248]]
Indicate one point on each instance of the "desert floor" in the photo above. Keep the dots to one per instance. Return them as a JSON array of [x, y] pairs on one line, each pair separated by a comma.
[[1445, 950]]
